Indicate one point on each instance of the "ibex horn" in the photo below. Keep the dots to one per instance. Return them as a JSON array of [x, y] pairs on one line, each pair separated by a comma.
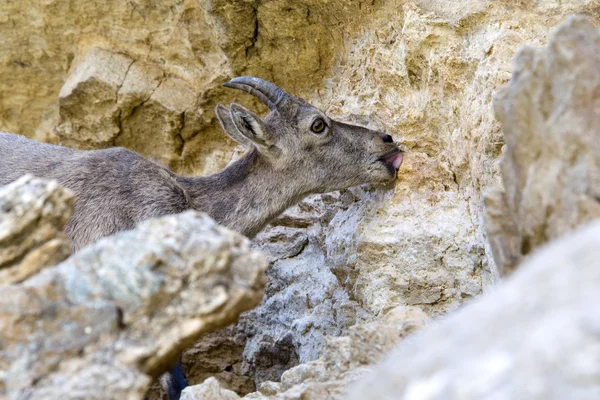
[[268, 93]]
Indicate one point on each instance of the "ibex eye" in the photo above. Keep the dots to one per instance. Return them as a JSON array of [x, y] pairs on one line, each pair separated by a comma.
[[318, 126]]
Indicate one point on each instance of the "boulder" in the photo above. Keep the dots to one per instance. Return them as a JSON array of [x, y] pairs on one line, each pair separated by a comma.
[[105, 321]]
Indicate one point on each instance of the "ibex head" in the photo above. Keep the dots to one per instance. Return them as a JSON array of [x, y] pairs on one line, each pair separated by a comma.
[[296, 138]]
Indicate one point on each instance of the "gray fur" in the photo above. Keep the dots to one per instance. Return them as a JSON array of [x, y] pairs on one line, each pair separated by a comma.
[[116, 188]]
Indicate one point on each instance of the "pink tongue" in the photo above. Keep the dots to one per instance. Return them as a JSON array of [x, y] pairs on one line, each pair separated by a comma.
[[396, 160]]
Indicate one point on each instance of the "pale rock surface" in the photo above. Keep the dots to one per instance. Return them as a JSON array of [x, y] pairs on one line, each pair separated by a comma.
[[424, 71], [533, 337], [345, 359], [551, 123], [32, 215], [208, 390], [102, 323]]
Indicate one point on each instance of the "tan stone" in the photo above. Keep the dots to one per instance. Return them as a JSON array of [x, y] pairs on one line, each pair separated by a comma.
[[88, 100], [32, 216], [208, 390]]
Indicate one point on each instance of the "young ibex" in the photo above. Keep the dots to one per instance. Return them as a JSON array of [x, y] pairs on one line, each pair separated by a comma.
[[295, 151]]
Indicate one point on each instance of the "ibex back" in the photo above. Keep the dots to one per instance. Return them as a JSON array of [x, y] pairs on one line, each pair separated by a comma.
[[295, 151]]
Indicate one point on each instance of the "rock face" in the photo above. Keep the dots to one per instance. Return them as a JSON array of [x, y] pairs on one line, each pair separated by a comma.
[[551, 167], [102, 323], [535, 337], [32, 215], [346, 359], [147, 75]]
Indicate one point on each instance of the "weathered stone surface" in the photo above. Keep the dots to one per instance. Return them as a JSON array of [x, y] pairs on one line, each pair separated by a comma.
[[551, 166], [219, 354], [344, 360], [87, 100], [534, 337], [102, 323], [208, 390], [32, 215], [194, 45]]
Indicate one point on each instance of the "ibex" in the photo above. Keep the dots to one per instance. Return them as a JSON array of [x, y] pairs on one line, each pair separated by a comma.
[[295, 151]]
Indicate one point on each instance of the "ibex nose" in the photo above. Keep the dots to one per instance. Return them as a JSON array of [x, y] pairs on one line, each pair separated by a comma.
[[387, 139]]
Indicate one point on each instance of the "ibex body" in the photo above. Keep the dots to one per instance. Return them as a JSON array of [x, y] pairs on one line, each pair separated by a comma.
[[295, 151]]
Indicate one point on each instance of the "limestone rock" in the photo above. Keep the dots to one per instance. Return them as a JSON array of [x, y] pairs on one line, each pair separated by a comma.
[[194, 45], [534, 337], [551, 166], [87, 100], [345, 359], [208, 390], [109, 100], [32, 215], [102, 323]]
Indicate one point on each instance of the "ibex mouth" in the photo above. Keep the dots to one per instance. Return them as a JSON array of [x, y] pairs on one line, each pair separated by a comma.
[[392, 159]]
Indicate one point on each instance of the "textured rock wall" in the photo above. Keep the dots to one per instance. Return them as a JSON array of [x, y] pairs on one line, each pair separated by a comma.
[[147, 74], [345, 359], [103, 322]]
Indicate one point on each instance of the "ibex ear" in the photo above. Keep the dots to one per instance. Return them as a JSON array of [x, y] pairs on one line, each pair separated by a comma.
[[224, 118], [250, 126]]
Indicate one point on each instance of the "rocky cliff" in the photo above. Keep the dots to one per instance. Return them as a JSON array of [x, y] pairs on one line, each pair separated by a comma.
[[147, 75]]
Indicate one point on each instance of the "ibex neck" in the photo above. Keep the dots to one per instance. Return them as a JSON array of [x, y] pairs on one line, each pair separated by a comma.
[[245, 196]]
